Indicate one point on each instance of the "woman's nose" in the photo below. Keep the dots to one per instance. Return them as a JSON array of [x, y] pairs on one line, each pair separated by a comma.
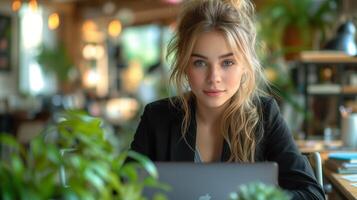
[[214, 74]]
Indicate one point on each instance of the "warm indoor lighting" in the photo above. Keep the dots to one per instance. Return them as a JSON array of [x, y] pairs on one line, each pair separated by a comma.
[[91, 78], [114, 28], [88, 51], [99, 52], [33, 5], [91, 33], [16, 5], [120, 110], [53, 21], [89, 25], [132, 76], [91, 52]]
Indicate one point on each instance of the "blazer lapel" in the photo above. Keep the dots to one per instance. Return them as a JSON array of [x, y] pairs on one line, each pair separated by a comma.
[[225, 152], [183, 149]]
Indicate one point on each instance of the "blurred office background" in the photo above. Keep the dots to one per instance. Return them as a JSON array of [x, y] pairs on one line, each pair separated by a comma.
[[108, 57]]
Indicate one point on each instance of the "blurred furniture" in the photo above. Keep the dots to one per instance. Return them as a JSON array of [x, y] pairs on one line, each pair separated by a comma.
[[344, 39], [315, 160], [6, 123], [341, 185], [326, 79], [28, 130], [321, 146], [341, 188]]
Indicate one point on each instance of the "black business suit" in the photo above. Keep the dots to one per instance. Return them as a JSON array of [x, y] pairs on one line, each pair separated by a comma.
[[159, 137]]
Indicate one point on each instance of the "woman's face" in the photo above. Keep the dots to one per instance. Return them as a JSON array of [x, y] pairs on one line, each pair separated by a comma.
[[214, 72]]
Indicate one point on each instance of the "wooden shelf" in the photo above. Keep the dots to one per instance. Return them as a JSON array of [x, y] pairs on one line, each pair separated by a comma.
[[311, 63], [349, 89], [333, 57], [330, 89]]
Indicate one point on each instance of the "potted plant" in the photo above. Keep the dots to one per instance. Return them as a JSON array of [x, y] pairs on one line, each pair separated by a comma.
[[259, 191], [286, 27], [78, 159], [56, 61], [291, 26]]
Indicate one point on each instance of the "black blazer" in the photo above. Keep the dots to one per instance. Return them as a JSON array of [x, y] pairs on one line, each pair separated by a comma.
[[159, 137]]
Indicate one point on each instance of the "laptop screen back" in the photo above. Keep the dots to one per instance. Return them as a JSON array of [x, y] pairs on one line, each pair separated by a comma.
[[211, 181]]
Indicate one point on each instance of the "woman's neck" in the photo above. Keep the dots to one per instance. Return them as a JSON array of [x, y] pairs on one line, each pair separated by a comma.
[[209, 116]]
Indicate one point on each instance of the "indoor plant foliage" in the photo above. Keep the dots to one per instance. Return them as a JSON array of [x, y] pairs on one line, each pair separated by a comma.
[[296, 23], [82, 161], [56, 60], [259, 191]]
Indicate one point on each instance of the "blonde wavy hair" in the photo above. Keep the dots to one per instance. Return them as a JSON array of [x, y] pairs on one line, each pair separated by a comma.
[[235, 20]]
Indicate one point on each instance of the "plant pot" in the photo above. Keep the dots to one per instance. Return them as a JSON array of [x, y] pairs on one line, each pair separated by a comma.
[[293, 41]]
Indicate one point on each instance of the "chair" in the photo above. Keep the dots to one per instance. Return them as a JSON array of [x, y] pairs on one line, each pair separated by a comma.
[[315, 161]]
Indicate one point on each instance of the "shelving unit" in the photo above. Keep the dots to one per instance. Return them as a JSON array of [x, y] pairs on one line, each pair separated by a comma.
[[335, 66]]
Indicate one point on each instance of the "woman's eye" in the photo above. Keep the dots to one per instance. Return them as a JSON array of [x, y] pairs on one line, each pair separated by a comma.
[[227, 63], [199, 63]]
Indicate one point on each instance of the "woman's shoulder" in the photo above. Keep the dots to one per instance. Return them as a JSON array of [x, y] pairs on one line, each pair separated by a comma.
[[268, 108], [266, 102], [168, 102], [165, 106]]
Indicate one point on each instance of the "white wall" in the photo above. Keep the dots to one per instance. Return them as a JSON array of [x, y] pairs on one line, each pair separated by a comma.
[[9, 79]]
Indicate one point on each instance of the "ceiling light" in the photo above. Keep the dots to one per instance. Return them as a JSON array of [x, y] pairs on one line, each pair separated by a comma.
[[16, 5], [53, 21]]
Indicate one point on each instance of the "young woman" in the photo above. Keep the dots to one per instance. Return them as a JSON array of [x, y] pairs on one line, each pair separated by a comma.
[[220, 114]]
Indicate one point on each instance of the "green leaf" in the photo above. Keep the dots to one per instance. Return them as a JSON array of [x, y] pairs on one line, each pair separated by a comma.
[[152, 182], [94, 165], [94, 178], [17, 165], [160, 197], [145, 162], [9, 144], [55, 60], [129, 172], [119, 161], [259, 191]]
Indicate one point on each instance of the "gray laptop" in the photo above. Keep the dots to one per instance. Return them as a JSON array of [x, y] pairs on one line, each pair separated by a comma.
[[198, 181]]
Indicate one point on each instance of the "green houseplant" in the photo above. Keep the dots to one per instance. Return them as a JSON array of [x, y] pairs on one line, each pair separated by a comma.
[[286, 27], [292, 26], [81, 161], [56, 61], [259, 191]]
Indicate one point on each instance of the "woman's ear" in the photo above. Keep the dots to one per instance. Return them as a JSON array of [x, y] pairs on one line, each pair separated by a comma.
[[243, 78], [245, 75]]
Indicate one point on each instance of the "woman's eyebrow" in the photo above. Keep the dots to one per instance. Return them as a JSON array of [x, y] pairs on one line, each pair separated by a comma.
[[204, 57], [226, 55], [198, 55]]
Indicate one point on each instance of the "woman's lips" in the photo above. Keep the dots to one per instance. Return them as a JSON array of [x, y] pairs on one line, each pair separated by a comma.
[[213, 93]]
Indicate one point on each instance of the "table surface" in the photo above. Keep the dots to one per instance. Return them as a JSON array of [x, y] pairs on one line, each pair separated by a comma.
[[324, 148], [307, 146], [344, 186]]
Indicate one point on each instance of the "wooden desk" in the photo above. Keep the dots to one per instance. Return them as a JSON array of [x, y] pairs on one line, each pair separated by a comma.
[[342, 185], [308, 146]]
